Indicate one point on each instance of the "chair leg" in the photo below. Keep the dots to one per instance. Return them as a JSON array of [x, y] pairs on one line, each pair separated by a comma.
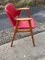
[[15, 30], [31, 33], [13, 37]]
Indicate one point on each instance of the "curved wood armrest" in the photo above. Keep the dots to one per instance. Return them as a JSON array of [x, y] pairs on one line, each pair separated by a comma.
[[24, 19], [25, 8]]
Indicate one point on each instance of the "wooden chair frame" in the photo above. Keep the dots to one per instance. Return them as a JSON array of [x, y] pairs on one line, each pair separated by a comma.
[[24, 30]]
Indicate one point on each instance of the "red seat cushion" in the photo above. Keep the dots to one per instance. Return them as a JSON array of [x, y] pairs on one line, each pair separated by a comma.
[[25, 24]]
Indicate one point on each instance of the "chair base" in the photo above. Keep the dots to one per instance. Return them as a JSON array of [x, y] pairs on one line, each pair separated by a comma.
[[28, 30]]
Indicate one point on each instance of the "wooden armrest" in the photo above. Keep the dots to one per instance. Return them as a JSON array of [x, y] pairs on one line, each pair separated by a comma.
[[24, 19], [25, 8]]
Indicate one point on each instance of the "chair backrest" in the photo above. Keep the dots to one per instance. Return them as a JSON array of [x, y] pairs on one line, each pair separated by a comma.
[[11, 12]]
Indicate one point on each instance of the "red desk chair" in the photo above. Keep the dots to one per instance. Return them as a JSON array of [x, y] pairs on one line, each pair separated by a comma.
[[20, 24]]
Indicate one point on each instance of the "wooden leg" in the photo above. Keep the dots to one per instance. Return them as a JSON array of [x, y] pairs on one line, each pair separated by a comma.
[[31, 33], [15, 30]]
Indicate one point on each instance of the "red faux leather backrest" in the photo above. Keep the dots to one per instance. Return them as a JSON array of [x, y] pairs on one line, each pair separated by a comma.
[[11, 8], [11, 12]]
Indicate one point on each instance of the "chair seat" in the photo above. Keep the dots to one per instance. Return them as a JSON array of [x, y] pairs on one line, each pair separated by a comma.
[[25, 24]]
